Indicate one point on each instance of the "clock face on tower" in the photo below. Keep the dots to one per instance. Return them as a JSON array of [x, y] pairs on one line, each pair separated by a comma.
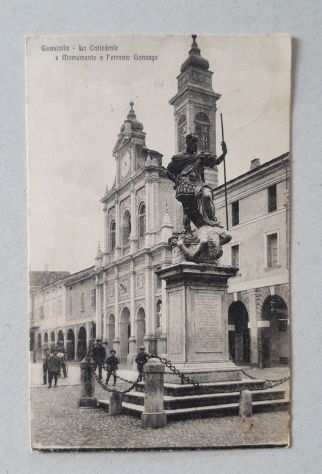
[[125, 164]]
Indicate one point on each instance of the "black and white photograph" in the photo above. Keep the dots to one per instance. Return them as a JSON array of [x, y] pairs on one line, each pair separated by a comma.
[[159, 209]]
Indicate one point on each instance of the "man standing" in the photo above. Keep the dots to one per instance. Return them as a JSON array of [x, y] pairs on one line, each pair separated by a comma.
[[61, 356], [141, 359], [53, 364], [99, 356], [112, 363]]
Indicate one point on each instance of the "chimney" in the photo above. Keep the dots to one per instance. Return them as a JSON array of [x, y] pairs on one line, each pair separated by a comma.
[[255, 163]]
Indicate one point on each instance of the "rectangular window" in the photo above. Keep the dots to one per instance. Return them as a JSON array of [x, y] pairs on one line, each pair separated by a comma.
[[271, 198], [235, 213], [235, 255], [272, 250]]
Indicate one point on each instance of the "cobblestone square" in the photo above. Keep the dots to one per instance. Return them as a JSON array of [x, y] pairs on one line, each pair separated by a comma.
[[57, 422]]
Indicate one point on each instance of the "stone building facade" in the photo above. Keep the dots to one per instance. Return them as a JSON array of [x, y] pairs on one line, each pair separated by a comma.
[[121, 299]]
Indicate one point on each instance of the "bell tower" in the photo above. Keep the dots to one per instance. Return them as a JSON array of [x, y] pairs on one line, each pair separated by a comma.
[[195, 106]]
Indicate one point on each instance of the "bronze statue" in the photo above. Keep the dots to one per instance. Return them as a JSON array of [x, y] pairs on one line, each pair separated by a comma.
[[186, 170]]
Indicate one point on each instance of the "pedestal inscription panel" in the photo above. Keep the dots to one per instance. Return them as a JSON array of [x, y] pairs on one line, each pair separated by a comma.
[[206, 326], [176, 322]]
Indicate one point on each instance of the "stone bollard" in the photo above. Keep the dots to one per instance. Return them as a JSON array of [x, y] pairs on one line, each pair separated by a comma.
[[115, 404], [154, 415], [87, 399], [245, 404]]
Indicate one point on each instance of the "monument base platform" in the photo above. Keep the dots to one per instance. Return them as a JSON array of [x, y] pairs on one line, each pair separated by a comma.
[[225, 371]]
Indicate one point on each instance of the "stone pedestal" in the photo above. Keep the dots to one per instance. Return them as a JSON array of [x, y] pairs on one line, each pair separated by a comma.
[[153, 415], [115, 404], [87, 399], [245, 404], [197, 325]]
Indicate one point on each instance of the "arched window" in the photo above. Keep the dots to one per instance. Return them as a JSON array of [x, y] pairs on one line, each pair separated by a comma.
[[126, 228], [112, 235], [159, 314], [142, 223], [182, 132], [202, 126]]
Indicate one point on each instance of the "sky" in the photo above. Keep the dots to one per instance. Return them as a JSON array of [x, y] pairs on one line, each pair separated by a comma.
[[74, 111]]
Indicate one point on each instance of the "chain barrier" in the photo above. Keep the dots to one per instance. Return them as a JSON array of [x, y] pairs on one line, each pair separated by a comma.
[[111, 390], [184, 378], [269, 383]]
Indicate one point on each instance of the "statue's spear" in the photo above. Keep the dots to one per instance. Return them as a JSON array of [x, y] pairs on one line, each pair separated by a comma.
[[225, 181]]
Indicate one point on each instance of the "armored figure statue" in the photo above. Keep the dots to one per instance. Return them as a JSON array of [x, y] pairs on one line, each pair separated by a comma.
[[186, 170]]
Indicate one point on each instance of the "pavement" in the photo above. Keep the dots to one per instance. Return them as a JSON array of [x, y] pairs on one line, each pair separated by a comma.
[[58, 423]]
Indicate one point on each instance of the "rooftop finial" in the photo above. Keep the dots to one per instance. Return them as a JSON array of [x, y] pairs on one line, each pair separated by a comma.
[[131, 114], [194, 47]]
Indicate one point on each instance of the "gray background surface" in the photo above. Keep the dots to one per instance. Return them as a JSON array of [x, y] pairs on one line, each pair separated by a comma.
[[302, 19]]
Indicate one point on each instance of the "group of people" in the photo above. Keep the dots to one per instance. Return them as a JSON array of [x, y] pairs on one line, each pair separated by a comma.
[[111, 362], [53, 365]]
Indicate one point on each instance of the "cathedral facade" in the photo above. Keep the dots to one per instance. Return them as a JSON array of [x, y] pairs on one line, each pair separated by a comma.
[[121, 299]]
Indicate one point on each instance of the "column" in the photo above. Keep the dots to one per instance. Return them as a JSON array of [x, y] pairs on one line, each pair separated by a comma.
[[104, 317], [106, 235], [253, 327], [153, 344], [117, 252], [133, 236], [148, 306], [65, 340], [116, 342], [132, 340], [76, 329], [148, 211], [98, 309]]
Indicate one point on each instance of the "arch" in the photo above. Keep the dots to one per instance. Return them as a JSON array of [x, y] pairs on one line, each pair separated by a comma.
[[140, 327], [202, 117], [113, 235], [141, 223], [52, 338], [275, 336], [125, 332], [39, 341], [202, 127], [81, 343], [111, 330], [158, 314], [60, 338], [239, 337], [70, 344]]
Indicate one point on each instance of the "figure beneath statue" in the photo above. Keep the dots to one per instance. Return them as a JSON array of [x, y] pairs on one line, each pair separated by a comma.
[[186, 170]]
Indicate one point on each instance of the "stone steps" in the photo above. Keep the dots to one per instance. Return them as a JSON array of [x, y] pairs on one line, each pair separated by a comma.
[[210, 399], [190, 401], [228, 409], [210, 387]]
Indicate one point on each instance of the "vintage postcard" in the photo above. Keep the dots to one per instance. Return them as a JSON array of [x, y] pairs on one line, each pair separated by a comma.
[[159, 236]]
